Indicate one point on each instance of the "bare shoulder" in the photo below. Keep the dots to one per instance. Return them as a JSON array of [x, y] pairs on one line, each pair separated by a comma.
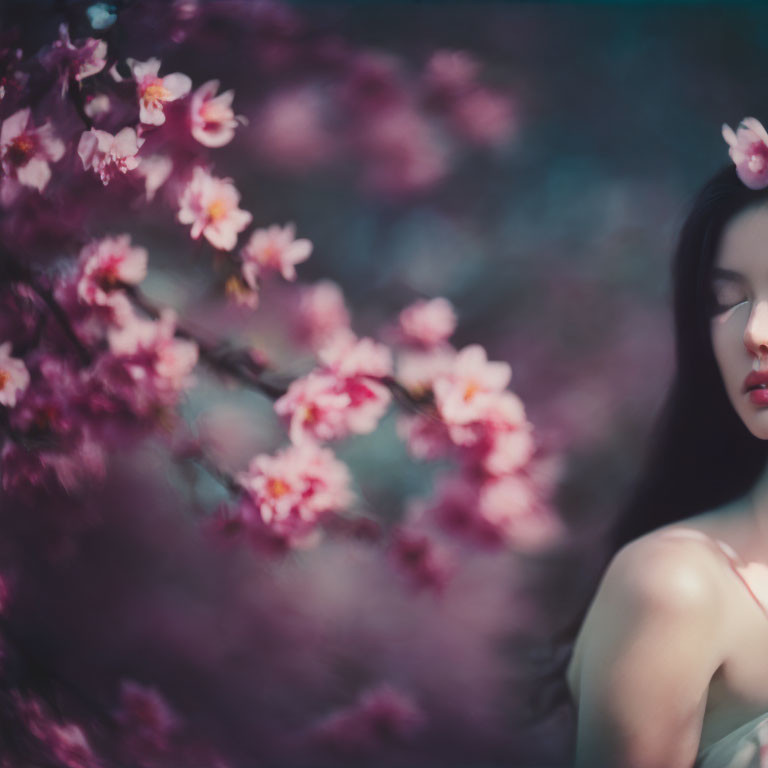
[[672, 568], [669, 582]]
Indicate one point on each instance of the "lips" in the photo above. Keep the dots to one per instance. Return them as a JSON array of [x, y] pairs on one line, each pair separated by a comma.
[[754, 380]]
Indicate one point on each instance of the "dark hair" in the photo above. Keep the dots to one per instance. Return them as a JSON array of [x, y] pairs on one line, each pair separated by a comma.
[[700, 454]]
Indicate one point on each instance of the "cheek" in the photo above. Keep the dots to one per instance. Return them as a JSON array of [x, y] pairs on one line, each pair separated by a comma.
[[727, 332]]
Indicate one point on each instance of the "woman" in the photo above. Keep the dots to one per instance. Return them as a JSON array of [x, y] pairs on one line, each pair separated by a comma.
[[670, 667]]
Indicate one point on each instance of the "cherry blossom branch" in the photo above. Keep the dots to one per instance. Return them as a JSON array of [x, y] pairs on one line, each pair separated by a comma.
[[229, 361], [14, 271]]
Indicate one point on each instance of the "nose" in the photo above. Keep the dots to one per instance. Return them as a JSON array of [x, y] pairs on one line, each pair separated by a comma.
[[756, 332]]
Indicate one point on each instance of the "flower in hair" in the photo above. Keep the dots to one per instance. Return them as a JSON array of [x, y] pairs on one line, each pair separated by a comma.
[[748, 148]]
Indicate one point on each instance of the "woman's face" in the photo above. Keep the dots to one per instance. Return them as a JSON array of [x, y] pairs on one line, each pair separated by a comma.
[[740, 315]]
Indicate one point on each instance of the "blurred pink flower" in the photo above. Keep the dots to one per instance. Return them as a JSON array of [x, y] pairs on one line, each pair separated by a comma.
[[748, 148], [274, 248], [107, 265], [14, 377], [315, 408], [343, 395], [212, 120], [97, 105], [109, 155], [381, 717], [147, 723], [209, 204], [483, 117], [428, 323], [25, 151], [418, 370], [52, 411], [511, 505], [374, 85], [154, 91], [290, 130], [507, 450], [69, 745], [462, 395], [400, 153], [75, 62], [348, 356], [449, 74], [320, 313], [292, 490], [65, 742], [155, 169], [155, 357]]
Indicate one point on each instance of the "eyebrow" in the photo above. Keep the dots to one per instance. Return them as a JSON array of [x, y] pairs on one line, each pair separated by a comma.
[[727, 274]]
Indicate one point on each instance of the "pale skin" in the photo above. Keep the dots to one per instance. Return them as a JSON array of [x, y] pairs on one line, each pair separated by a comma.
[[673, 652]]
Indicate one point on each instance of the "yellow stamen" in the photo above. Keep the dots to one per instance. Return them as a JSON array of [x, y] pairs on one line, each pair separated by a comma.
[[217, 210], [155, 93], [471, 389], [5, 377], [277, 487]]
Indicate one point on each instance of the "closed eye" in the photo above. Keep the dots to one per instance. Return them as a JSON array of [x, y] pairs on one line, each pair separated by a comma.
[[727, 294]]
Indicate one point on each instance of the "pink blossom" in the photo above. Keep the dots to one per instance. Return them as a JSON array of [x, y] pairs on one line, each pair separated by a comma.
[[462, 395], [417, 371], [107, 265], [274, 248], [374, 85], [97, 105], [14, 377], [428, 323], [52, 413], [321, 312], [400, 153], [504, 511], [155, 169], [109, 155], [75, 62], [213, 122], [748, 148], [449, 74], [507, 450], [292, 491], [381, 717], [315, 408], [157, 364], [341, 397], [209, 204], [510, 504], [348, 356], [147, 722], [25, 151], [69, 745], [291, 131], [483, 117], [154, 91]]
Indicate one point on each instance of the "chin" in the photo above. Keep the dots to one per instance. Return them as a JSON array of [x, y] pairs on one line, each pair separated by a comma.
[[757, 426]]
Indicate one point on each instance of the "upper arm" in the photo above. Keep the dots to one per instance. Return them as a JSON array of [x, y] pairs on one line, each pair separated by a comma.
[[651, 643]]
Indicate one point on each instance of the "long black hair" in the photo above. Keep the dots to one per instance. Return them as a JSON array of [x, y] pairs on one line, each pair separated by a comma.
[[700, 454]]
